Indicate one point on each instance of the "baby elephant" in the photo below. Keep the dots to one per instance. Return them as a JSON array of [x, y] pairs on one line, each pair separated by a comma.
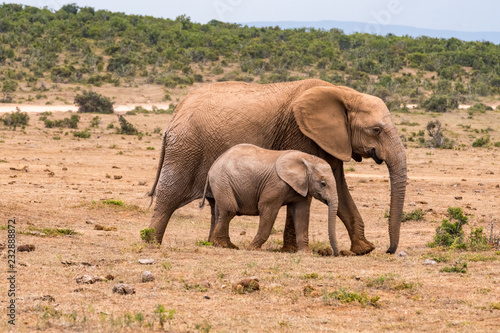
[[249, 180]]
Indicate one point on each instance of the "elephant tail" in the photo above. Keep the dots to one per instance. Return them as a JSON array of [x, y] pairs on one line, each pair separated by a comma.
[[158, 172], [202, 203]]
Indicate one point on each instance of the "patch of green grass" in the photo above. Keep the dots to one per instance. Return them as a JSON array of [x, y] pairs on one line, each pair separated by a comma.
[[50, 232], [115, 202], [344, 296], [148, 235], [4, 227], [350, 169], [458, 267], [167, 265], [203, 243], [150, 148], [195, 287], [56, 138], [380, 281], [414, 215], [311, 276], [476, 257], [3, 161], [495, 306]]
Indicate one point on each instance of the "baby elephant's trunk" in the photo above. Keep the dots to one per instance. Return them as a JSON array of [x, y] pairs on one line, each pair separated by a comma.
[[332, 216]]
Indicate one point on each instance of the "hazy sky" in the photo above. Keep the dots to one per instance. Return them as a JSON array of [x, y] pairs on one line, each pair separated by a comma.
[[461, 15]]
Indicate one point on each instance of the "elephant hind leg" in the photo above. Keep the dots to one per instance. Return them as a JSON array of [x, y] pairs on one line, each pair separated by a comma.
[[220, 235]]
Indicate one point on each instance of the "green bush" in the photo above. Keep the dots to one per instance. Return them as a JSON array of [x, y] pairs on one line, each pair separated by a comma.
[[95, 121], [437, 103], [92, 102], [481, 142], [71, 122], [126, 127], [15, 119], [85, 134], [451, 233]]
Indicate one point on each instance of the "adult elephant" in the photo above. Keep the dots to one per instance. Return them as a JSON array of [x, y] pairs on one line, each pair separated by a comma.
[[332, 122]]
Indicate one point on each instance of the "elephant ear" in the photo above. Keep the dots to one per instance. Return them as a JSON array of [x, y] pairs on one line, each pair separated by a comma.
[[321, 114], [293, 171]]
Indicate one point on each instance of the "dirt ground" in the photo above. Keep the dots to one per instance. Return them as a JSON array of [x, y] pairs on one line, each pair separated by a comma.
[[66, 180]]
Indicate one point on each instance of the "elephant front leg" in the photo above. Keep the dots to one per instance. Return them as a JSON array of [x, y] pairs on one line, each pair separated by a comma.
[[300, 213], [289, 235], [350, 216], [221, 232]]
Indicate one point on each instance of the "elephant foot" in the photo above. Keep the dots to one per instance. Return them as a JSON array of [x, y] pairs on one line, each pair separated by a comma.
[[347, 253], [305, 249], [253, 247], [361, 247], [225, 244], [288, 248]]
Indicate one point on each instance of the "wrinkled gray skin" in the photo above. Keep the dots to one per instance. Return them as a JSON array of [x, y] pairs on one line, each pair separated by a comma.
[[249, 180], [332, 122]]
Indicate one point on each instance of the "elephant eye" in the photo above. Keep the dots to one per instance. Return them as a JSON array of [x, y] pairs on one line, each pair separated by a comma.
[[323, 183], [377, 130]]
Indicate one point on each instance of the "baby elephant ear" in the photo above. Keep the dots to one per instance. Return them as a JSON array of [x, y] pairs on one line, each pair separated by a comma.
[[292, 170]]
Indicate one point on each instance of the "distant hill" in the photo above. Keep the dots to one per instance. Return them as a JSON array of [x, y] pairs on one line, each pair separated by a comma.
[[380, 29]]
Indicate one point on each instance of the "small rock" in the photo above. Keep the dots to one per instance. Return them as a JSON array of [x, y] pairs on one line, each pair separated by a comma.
[[423, 202], [85, 279], [206, 297], [115, 167], [458, 198], [117, 177], [123, 289], [402, 254], [64, 169], [412, 204], [89, 221], [142, 183], [246, 285], [243, 233], [479, 191], [2, 246], [26, 248], [429, 262], [109, 277], [147, 276], [490, 172], [480, 184], [206, 285], [146, 261]]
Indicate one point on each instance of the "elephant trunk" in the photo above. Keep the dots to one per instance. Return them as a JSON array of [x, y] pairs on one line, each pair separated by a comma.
[[332, 216], [396, 163]]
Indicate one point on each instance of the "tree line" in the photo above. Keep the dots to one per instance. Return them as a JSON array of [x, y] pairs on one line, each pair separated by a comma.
[[87, 46]]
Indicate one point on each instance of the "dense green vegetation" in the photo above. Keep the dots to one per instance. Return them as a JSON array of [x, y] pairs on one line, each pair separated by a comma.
[[96, 47]]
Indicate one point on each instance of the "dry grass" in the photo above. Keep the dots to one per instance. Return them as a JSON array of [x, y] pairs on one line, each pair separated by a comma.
[[298, 292]]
